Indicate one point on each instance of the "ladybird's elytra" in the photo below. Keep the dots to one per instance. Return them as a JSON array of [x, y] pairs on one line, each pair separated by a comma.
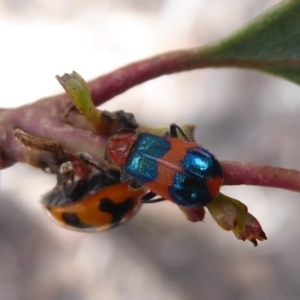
[[175, 169], [117, 210], [97, 203]]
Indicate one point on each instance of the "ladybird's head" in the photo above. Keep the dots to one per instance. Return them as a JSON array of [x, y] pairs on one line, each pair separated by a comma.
[[119, 146]]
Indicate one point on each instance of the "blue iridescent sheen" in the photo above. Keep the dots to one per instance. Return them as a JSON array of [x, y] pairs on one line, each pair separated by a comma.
[[189, 190], [141, 162], [189, 187], [201, 163]]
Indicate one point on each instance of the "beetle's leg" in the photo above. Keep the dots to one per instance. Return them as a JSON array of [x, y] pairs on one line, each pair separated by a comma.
[[174, 129], [86, 158], [148, 198], [134, 184]]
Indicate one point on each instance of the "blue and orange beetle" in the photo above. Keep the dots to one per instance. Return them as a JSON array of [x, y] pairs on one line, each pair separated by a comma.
[[173, 168], [96, 203]]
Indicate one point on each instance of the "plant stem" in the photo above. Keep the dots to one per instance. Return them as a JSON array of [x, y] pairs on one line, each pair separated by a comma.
[[236, 173]]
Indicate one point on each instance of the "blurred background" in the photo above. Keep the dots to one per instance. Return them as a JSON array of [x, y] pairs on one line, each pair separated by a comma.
[[240, 115]]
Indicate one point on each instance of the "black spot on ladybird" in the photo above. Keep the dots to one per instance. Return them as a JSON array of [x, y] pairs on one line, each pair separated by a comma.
[[118, 211], [73, 220]]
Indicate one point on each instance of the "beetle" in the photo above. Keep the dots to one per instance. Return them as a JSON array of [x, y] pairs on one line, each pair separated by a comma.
[[174, 168], [96, 203]]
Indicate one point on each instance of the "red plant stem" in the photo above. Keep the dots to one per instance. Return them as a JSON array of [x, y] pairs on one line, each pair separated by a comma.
[[45, 118], [236, 173], [116, 82]]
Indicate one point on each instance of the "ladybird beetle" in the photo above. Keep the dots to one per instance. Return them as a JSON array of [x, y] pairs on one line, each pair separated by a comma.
[[97, 203], [173, 168]]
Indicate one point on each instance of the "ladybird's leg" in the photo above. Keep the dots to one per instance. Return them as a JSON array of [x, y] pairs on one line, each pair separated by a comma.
[[148, 198], [76, 191], [174, 129]]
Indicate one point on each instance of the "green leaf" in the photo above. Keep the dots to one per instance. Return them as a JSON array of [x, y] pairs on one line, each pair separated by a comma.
[[270, 43], [78, 90]]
